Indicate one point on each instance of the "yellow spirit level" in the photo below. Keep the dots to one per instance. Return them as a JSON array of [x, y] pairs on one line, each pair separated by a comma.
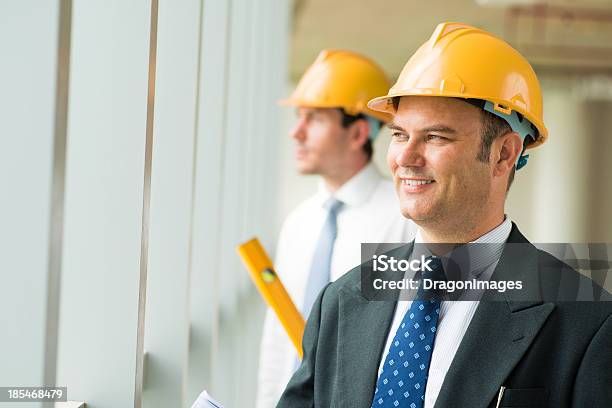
[[272, 290]]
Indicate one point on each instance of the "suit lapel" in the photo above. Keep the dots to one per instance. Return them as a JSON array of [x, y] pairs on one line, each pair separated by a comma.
[[500, 332], [496, 340], [363, 326], [363, 329]]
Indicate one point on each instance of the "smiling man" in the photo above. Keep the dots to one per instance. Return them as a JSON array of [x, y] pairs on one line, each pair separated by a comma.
[[465, 108], [321, 239], [445, 179]]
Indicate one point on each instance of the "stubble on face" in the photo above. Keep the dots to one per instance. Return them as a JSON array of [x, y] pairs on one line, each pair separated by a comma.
[[319, 140], [436, 140]]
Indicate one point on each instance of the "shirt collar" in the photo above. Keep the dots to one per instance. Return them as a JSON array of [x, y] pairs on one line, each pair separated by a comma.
[[480, 253], [356, 190]]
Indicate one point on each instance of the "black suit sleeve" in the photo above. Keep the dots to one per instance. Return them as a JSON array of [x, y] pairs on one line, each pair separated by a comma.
[[300, 390], [593, 386]]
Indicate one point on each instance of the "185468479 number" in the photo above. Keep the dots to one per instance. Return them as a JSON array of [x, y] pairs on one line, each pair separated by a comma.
[[33, 394]]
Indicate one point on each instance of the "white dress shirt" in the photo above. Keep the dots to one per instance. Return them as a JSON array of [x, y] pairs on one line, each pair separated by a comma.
[[370, 214], [455, 316]]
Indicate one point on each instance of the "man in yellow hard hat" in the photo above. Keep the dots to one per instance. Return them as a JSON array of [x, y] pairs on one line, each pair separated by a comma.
[[465, 108], [321, 239]]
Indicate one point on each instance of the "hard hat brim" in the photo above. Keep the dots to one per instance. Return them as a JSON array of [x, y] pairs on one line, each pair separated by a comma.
[[380, 115], [385, 104]]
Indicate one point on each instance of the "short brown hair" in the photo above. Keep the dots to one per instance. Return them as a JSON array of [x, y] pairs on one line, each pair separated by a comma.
[[492, 127], [347, 120]]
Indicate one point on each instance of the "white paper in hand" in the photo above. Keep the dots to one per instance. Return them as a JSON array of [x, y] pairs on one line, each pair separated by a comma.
[[206, 401]]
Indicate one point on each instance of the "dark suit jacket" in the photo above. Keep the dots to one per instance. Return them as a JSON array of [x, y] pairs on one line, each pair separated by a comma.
[[547, 353]]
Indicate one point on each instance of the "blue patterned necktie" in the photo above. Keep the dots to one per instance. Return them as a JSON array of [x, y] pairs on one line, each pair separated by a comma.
[[319, 275], [403, 378]]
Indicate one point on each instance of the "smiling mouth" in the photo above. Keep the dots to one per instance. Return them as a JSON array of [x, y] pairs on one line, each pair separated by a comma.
[[408, 182]]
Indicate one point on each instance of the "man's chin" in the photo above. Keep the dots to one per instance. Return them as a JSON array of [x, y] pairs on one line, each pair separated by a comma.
[[305, 169], [417, 215]]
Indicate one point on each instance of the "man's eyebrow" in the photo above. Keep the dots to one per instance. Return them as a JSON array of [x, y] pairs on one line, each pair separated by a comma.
[[393, 126], [434, 128], [439, 128]]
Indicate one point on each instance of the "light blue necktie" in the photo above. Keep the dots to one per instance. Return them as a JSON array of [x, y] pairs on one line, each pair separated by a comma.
[[403, 379], [321, 261]]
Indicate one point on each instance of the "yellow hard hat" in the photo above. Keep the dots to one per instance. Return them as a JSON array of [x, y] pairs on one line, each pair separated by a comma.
[[466, 62], [341, 79]]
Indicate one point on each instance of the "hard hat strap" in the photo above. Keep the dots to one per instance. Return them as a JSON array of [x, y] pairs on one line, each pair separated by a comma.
[[373, 126], [518, 124]]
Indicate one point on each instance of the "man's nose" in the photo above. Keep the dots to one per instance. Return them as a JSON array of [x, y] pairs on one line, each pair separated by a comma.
[[410, 154], [298, 132]]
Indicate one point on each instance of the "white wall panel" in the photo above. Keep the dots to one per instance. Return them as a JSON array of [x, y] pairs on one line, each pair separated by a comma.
[[207, 223], [237, 169], [29, 47], [256, 67], [166, 323], [104, 201], [243, 72]]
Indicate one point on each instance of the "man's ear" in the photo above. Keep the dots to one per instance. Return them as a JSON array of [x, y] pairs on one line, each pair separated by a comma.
[[360, 131], [506, 150]]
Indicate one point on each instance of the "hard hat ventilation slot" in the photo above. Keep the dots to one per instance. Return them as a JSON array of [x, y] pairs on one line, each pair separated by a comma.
[[502, 109]]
